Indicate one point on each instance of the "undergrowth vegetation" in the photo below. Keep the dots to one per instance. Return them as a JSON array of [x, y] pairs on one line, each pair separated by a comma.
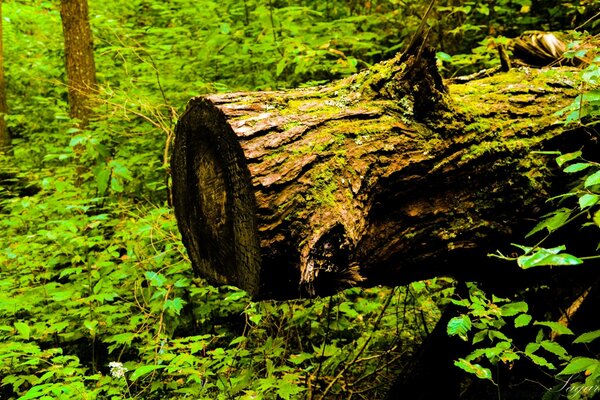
[[97, 297]]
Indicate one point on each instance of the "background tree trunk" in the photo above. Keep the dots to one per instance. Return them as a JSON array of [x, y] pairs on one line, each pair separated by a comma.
[[381, 178], [5, 138], [79, 57]]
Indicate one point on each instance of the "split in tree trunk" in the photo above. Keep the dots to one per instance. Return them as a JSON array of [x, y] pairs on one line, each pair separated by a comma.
[[380, 178]]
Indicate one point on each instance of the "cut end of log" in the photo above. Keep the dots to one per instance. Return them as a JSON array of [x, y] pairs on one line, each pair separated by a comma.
[[213, 199]]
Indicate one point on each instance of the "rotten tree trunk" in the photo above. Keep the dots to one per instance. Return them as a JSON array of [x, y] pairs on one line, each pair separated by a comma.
[[380, 178]]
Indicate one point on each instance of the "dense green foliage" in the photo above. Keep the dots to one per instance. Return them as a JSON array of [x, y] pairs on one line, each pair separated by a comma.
[[92, 270]]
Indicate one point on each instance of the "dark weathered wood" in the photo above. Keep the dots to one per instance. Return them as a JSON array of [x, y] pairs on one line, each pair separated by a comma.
[[379, 178]]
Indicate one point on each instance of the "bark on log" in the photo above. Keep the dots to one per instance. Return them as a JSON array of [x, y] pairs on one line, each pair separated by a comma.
[[375, 179]]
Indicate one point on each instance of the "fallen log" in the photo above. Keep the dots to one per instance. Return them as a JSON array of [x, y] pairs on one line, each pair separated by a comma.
[[379, 178]]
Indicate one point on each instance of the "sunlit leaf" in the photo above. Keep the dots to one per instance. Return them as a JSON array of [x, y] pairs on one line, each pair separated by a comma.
[[592, 180], [522, 320], [588, 337], [144, 370], [580, 364], [476, 369], [459, 326], [556, 327], [588, 200], [512, 309], [560, 160]]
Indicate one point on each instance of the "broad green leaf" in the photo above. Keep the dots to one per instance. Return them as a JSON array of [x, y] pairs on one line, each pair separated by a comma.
[[541, 361], [120, 170], [298, 359], [289, 387], [522, 320], [443, 56], [476, 369], [532, 348], [544, 257], [479, 336], [493, 334], [588, 200], [593, 179], [556, 327], [144, 370], [512, 309], [580, 364], [90, 325], [235, 296], [102, 176], [122, 338], [555, 349], [281, 66], [116, 184], [459, 326], [577, 167], [560, 160], [156, 279], [554, 221], [182, 283], [23, 329], [588, 337], [175, 305]]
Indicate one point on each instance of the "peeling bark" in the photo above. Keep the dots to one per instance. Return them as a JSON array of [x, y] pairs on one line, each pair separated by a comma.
[[375, 179]]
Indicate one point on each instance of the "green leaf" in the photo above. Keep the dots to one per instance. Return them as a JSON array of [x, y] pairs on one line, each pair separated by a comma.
[[597, 218], [476, 369], [580, 364], [541, 361], [281, 66], [544, 257], [557, 328], [479, 336], [23, 329], [235, 296], [90, 325], [560, 160], [522, 320], [122, 338], [120, 170], [588, 337], [175, 305], [144, 370], [555, 349], [298, 359], [182, 283], [459, 326], [512, 309], [555, 220], [577, 167], [116, 185], [532, 348], [588, 200], [593, 179], [493, 334], [156, 279], [443, 56], [288, 388]]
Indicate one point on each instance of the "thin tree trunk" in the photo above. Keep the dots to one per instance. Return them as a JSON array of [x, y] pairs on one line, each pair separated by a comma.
[[5, 138], [79, 58]]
